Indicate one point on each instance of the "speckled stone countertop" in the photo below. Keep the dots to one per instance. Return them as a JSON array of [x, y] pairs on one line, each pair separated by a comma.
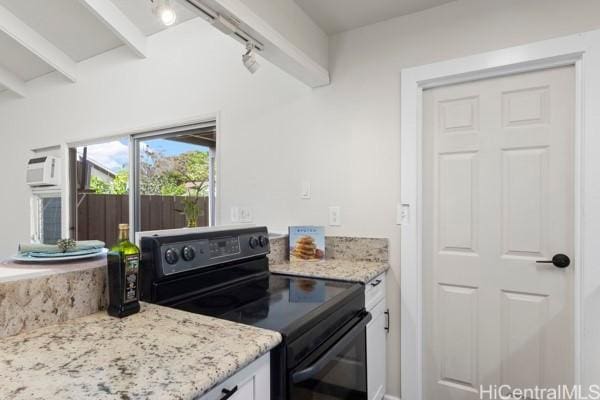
[[344, 270], [11, 271], [159, 353], [34, 296], [354, 259]]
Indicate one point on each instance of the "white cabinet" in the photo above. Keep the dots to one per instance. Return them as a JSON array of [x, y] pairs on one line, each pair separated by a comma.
[[251, 383], [375, 292], [376, 338]]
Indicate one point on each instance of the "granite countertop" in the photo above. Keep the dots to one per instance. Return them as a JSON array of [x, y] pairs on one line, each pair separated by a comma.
[[158, 353], [14, 270], [343, 270]]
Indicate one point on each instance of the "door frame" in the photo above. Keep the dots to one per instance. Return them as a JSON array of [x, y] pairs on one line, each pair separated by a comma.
[[577, 50]]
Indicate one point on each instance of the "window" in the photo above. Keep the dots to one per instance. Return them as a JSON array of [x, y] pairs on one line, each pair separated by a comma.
[[46, 216], [172, 179], [100, 190], [175, 179]]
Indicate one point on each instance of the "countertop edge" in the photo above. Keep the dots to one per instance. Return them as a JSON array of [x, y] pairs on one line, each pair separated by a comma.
[[375, 268], [277, 339]]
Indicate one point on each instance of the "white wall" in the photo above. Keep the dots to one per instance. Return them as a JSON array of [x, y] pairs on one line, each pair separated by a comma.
[[275, 132]]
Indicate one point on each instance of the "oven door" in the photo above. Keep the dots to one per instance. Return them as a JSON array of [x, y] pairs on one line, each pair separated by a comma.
[[337, 370]]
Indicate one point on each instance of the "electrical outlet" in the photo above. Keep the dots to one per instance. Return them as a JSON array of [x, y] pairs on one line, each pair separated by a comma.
[[335, 216], [245, 214]]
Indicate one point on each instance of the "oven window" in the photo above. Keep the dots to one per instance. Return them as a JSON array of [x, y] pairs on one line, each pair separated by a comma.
[[344, 377]]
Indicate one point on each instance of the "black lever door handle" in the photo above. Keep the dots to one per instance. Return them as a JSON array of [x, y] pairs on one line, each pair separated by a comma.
[[228, 392], [559, 261]]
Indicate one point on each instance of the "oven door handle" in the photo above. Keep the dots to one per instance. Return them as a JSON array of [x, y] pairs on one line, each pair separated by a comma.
[[317, 366]]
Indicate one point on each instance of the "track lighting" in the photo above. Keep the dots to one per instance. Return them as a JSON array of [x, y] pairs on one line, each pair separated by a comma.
[[249, 58], [165, 11]]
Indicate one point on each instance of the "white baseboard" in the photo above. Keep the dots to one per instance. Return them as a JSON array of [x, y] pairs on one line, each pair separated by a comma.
[[390, 397]]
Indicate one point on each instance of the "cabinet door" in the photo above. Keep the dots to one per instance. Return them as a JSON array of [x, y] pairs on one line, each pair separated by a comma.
[[376, 353], [251, 383], [246, 391], [375, 292]]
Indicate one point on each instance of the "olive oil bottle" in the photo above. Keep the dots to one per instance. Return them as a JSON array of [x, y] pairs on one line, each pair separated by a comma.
[[123, 276]]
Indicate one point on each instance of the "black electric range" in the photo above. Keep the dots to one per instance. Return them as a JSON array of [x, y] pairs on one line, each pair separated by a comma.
[[224, 273]]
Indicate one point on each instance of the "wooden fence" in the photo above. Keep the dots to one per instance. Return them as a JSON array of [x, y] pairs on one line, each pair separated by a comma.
[[98, 215]]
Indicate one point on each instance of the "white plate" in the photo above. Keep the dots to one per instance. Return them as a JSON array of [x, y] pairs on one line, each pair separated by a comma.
[[18, 257]]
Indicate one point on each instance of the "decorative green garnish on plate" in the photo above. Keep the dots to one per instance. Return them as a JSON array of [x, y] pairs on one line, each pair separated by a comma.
[[66, 244]]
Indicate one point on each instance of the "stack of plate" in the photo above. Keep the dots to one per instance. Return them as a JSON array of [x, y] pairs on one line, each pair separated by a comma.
[[56, 257]]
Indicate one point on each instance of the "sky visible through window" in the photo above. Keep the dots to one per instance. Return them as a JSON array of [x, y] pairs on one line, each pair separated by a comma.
[[115, 155]]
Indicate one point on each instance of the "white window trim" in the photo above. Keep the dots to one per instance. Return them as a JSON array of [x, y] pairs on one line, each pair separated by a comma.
[[35, 201], [134, 160], [581, 50], [35, 227]]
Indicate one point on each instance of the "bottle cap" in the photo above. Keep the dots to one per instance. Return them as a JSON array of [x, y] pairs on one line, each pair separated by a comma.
[[123, 226]]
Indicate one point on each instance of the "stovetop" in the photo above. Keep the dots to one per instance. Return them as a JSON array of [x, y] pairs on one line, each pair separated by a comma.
[[225, 274], [276, 302]]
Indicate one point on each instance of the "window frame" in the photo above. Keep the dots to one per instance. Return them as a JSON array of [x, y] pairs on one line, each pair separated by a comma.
[[36, 212], [134, 168], [69, 189]]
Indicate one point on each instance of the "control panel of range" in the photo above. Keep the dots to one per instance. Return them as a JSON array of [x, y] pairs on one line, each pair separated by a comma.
[[208, 249], [223, 247]]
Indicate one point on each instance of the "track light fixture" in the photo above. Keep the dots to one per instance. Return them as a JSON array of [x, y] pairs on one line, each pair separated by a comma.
[[249, 59], [165, 11]]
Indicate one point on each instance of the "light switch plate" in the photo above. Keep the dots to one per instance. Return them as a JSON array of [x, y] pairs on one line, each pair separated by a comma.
[[335, 216], [305, 191], [402, 214]]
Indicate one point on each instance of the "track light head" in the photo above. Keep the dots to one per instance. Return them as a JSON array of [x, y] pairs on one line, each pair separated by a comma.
[[249, 59]]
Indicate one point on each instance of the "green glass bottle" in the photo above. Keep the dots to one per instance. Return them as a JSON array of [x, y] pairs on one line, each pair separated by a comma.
[[123, 276]]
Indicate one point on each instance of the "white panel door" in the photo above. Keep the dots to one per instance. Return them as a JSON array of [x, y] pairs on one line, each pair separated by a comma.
[[498, 196]]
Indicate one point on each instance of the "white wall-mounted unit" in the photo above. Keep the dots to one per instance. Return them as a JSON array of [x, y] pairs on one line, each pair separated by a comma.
[[43, 171]]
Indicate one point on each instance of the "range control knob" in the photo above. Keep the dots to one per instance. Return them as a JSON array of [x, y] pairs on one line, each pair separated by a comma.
[[263, 241], [253, 242], [188, 253], [171, 256]]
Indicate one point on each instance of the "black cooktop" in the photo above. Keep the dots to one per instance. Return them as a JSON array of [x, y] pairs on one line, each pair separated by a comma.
[[225, 273], [276, 302]]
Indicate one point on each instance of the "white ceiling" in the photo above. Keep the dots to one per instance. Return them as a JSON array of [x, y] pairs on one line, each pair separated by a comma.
[[76, 33], [65, 23], [73, 29], [334, 16], [19, 60], [140, 13]]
